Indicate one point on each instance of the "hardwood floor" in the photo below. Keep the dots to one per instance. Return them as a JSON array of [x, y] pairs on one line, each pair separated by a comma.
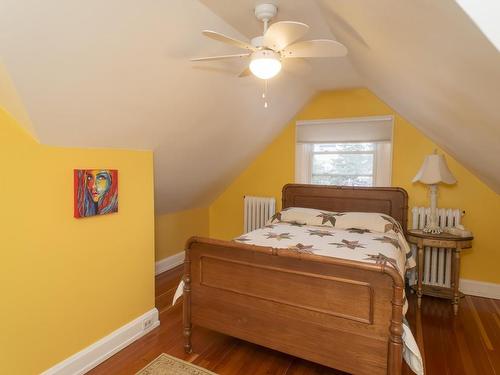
[[466, 344]]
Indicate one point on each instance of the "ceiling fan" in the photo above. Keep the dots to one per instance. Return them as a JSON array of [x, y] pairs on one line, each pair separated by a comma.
[[278, 43]]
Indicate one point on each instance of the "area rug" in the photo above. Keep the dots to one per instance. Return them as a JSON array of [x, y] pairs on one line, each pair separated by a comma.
[[165, 364]]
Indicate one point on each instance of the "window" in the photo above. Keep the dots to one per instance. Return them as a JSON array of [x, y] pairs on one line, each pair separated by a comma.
[[351, 164], [349, 152]]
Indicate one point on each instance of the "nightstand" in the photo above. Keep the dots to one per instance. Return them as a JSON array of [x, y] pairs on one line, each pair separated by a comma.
[[442, 240]]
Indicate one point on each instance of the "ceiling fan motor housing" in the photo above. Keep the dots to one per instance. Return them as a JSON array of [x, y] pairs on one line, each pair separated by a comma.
[[266, 54], [264, 12], [257, 42]]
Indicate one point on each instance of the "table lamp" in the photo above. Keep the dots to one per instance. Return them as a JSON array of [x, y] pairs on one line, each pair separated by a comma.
[[434, 170]]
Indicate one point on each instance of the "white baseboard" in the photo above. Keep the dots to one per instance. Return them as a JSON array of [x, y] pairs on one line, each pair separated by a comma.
[[480, 288], [169, 263], [88, 358]]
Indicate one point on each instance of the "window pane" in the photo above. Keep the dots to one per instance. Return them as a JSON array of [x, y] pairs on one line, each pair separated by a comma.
[[346, 164], [329, 147], [342, 180]]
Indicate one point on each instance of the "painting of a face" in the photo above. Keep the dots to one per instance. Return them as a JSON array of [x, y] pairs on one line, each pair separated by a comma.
[[96, 192], [98, 183]]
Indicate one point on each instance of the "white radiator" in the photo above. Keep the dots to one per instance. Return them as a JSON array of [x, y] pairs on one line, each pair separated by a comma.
[[257, 211], [437, 261]]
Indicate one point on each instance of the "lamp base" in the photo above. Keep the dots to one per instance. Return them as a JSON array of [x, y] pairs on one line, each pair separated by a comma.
[[432, 229], [432, 226]]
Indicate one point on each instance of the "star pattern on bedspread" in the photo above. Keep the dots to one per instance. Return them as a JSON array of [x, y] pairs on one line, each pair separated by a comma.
[[319, 232], [276, 216], [358, 230], [393, 224], [278, 236], [296, 224], [349, 244], [329, 217], [300, 248], [382, 259], [393, 241]]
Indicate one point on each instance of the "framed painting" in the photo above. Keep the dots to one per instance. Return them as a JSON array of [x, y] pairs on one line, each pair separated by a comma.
[[95, 192]]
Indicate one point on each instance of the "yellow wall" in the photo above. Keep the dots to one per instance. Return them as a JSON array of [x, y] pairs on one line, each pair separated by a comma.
[[173, 229], [64, 282], [265, 176], [274, 167]]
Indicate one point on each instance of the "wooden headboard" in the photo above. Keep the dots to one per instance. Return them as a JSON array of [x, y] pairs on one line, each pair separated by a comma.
[[386, 200]]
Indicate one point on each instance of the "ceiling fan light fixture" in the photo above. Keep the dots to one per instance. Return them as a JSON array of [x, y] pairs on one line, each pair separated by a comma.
[[265, 64]]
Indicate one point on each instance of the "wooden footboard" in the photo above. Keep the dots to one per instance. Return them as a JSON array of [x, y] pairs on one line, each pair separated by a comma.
[[339, 313]]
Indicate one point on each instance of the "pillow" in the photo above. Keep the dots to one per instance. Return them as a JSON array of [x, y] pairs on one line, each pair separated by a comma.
[[344, 220], [308, 216], [372, 221]]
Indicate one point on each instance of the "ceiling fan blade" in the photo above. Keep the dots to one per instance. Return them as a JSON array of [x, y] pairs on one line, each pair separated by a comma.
[[223, 57], [315, 48], [247, 72], [228, 40], [281, 34]]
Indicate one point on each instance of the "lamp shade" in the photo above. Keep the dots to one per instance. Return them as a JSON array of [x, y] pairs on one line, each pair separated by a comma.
[[435, 170]]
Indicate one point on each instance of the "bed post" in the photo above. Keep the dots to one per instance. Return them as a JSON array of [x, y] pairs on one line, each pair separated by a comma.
[[187, 302], [395, 355]]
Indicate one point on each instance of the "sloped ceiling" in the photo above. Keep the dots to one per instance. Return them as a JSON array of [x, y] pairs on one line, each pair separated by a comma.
[[431, 63], [116, 73]]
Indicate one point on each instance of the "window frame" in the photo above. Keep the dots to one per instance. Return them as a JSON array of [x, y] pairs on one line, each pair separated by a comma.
[[364, 152]]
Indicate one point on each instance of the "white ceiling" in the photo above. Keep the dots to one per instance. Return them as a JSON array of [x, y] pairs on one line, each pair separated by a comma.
[[116, 73]]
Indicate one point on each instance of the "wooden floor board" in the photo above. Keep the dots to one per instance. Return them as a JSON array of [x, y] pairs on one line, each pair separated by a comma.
[[474, 340], [490, 333], [466, 344]]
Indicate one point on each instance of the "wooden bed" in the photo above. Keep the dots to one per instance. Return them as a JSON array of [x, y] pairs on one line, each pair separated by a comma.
[[340, 313]]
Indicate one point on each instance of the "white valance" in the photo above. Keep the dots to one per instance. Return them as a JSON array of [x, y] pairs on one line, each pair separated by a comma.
[[369, 129]]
